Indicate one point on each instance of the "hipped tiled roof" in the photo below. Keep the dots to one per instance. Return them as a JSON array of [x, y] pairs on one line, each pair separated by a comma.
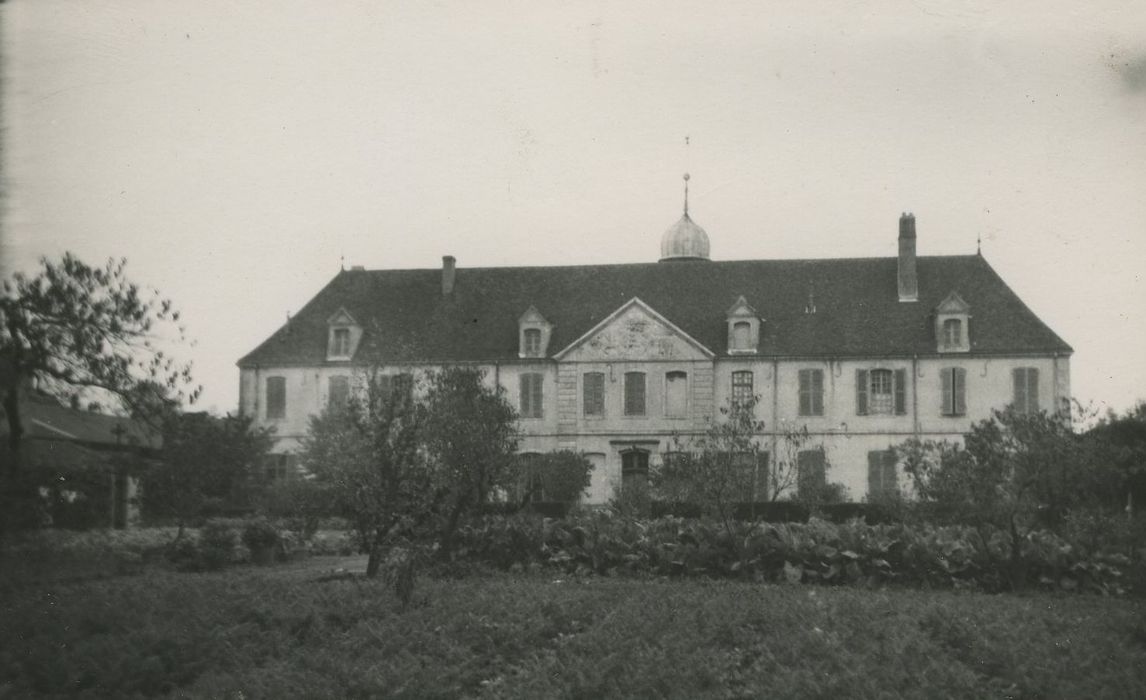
[[405, 317]]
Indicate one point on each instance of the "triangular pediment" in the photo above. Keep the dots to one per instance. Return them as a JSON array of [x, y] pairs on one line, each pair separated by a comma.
[[531, 315], [341, 317], [634, 332], [953, 304], [742, 309]]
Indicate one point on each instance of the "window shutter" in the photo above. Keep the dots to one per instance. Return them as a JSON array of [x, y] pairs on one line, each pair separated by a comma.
[[634, 394], [861, 392], [874, 473], [948, 407], [817, 392], [1032, 390], [959, 385], [1018, 380], [900, 392], [805, 393]]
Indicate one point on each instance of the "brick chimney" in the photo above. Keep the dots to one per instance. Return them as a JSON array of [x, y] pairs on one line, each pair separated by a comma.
[[448, 270], [908, 282]]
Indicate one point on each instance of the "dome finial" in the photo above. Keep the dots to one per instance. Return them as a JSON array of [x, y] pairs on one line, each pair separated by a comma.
[[686, 194]]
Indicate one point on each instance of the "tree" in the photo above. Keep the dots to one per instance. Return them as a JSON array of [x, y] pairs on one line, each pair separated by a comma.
[[718, 469], [73, 329], [205, 462], [471, 439], [366, 456], [1014, 473], [1123, 439], [553, 477]]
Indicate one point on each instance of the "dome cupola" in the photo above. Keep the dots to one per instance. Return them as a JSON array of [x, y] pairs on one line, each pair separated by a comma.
[[684, 240]]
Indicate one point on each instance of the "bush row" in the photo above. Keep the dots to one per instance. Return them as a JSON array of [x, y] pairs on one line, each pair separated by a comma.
[[814, 552]]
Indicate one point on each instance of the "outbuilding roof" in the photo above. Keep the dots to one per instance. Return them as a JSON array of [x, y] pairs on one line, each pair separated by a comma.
[[405, 317]]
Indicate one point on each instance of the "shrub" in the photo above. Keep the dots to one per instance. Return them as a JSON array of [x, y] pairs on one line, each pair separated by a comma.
[[218, 540], [261, 537]]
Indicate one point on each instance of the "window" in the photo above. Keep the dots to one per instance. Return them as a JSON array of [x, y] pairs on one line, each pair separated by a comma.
[[394, 387], [1026, 383], [751, 475], [676, 394], [531, 395], [593, 394], [953, 332], [954, 391], [532, 486], [811, 392], [634, 393], [742, 394], [811, 477], [742, 335], [881, 391], [340, 342], [338, 392], [634, 472], [881, 476], [531, 344], [276, 397], [277, 467]]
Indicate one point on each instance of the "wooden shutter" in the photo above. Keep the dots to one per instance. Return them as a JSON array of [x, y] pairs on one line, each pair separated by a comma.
[[276, 397], [861, 392], [530, 395], [339, 392], [959, 390], [634, 393], [593, 394], [817, 392], [900, 392], [805, 393], [1019, 382], [948, 401], [874, 473], [1032, 390]]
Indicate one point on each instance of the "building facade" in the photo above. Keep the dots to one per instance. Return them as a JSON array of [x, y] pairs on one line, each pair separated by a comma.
[[616, 361]]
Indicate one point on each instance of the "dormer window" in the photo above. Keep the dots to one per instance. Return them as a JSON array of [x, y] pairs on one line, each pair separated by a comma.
[[342, 336], [743, 329], [533, 334], [952, 330]]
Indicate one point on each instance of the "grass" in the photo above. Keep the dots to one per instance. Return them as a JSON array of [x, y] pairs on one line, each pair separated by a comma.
[[289, 631]]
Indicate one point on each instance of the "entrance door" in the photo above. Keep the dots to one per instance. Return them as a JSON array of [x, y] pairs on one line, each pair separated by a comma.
[[634, 472]]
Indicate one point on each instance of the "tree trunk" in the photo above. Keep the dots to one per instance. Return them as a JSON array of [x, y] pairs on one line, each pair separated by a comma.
[[374, 561]]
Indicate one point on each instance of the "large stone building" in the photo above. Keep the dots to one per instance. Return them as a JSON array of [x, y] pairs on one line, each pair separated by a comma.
[[614, 360]]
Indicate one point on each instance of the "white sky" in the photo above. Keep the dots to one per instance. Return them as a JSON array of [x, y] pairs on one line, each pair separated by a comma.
[[233, 151]]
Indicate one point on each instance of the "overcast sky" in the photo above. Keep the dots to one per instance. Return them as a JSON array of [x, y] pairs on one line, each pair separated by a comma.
[[235, 152]]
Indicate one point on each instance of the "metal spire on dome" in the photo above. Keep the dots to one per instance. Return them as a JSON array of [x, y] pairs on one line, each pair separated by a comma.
[[686, 194]]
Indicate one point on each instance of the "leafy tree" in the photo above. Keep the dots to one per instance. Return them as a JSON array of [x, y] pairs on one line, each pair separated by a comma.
[[367, 458], [470, 438], [553, 477], [1123, 439], [1014, 473], [74, 329], [205, 462], [718, 469]]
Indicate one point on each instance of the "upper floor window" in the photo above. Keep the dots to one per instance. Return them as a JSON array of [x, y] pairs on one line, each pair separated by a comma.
[[743, 328], [954, 380], [742, 389], [532, 395], [533, 333], [1026, 386], [676, 394], [881, 391], [532, 342], [634, 393], [881, 474], [338, 392], [951, 330], [593, 394], [393, 388], [276, 397], [344, 333], [811, 392]]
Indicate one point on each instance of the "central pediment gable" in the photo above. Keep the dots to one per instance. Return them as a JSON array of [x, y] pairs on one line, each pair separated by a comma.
[[634, 332]]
